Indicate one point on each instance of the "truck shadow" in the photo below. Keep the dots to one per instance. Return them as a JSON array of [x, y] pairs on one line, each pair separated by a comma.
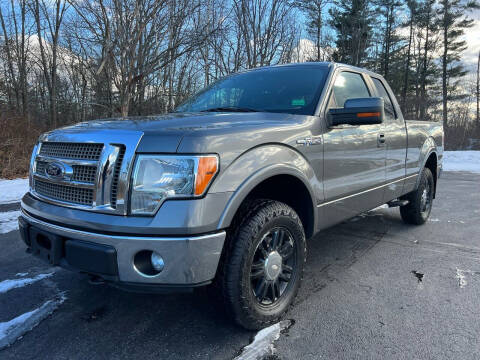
[[338, 248]]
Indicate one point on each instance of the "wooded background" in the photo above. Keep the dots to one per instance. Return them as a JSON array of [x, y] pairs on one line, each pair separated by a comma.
[[65, 61]]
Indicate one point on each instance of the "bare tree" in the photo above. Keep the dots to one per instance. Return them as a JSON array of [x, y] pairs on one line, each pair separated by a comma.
[[139, 38], [48, 19], [264, 28], [315, 12], [17, 50]]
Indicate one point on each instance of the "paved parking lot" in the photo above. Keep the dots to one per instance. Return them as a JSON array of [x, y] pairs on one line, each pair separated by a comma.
[[374, 288]]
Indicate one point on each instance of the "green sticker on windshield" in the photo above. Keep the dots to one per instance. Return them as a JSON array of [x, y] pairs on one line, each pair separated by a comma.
[[298, 102]]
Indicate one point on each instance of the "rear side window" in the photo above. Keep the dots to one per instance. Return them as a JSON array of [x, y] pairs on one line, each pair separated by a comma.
[[382, 92], [348, 85]]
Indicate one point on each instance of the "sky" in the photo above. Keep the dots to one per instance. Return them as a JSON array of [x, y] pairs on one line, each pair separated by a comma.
[[472, 36]]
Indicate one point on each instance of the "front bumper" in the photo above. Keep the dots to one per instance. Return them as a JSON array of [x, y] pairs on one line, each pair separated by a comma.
[[174, 218], [189, 260]]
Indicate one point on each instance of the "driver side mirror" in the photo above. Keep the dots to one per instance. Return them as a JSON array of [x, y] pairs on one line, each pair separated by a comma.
[[361, 111]]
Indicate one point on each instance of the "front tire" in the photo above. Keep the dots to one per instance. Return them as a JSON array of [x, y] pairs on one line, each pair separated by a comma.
[[263, 265], [419, 207]]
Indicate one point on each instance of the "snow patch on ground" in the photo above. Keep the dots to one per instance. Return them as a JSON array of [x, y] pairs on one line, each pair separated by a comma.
[[9, 221], [462, 276], [462, 161], [11, 330], [384, 206], [8, 285], [6, 326], [262, 344], [12, 191], [462, 280]]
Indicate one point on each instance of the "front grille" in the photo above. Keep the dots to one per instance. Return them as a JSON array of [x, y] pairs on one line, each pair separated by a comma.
[[84, 173], [79, 151], [116, 175], [81, 173], [40, 168], [93, 172], [65, 193]]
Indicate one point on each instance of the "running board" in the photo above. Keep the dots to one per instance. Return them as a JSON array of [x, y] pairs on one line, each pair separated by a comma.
[[395, 203]]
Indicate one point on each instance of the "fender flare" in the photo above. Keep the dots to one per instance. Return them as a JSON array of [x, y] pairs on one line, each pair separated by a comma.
[[429, 147], [263, 169]]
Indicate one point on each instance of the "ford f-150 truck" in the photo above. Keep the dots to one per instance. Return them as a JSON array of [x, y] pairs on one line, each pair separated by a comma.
[[225, 190]]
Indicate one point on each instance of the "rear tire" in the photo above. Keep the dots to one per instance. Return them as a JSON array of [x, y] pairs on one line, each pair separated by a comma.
[[418, 209], [263, 264]]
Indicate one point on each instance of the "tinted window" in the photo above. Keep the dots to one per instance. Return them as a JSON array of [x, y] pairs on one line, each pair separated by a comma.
[[349, 85], [294, 90], [382, 92]]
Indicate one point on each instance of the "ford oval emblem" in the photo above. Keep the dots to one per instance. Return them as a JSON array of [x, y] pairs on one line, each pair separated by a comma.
[[55, 170]]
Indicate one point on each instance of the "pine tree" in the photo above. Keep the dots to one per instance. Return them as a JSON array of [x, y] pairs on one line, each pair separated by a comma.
[[352, 21], [428, 23], [412, 8], [388, 9], [453, 22]]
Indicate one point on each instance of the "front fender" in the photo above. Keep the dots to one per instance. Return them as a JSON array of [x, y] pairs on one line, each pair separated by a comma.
[[257, 165]]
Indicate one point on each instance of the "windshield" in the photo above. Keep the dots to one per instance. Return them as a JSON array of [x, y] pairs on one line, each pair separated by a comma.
[[290, 89]]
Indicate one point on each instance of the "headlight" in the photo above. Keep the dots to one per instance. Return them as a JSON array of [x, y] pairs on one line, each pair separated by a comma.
[[32, 164], [160, 177]]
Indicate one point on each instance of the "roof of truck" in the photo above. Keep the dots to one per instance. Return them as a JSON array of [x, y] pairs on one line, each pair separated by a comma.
[[318, 64]]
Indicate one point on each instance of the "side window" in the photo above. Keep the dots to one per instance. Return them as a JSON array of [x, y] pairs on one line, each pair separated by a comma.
[[382, 92], [349, 85]]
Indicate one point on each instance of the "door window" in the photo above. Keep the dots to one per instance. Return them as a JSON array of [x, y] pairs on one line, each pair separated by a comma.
[[382, 92], [348, 85]]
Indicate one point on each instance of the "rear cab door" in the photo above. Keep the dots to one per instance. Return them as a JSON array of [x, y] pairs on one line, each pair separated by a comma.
[[395, 137]]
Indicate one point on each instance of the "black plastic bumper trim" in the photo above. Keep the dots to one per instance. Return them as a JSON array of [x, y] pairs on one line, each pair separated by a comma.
[[91, 257]]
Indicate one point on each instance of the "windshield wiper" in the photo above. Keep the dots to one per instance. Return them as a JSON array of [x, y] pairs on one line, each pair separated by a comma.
[[230, 109]]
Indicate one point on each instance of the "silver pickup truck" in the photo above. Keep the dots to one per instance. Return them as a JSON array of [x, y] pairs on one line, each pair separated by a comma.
[[225, 191]]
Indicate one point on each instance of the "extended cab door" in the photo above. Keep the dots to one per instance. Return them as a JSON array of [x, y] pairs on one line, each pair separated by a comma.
[[354, 156], [395, 140]]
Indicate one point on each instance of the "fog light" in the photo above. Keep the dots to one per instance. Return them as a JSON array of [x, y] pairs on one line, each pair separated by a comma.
[[157, 261]]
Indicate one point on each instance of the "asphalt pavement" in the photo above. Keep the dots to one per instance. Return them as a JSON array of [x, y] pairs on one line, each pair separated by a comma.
[[374, 288]]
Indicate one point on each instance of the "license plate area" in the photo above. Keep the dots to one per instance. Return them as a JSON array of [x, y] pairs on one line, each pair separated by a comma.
[[47, 246]]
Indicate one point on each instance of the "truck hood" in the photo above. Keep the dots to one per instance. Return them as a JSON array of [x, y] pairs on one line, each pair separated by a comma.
[[164, 133]]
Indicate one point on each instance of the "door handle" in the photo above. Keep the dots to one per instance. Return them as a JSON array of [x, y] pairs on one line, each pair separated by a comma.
[[381, 139]]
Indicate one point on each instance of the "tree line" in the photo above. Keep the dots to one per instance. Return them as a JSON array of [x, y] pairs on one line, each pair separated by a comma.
[[64, 61]]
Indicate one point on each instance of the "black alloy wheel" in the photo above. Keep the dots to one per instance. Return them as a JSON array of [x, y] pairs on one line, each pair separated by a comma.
[[420, 201], [273, 265]]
